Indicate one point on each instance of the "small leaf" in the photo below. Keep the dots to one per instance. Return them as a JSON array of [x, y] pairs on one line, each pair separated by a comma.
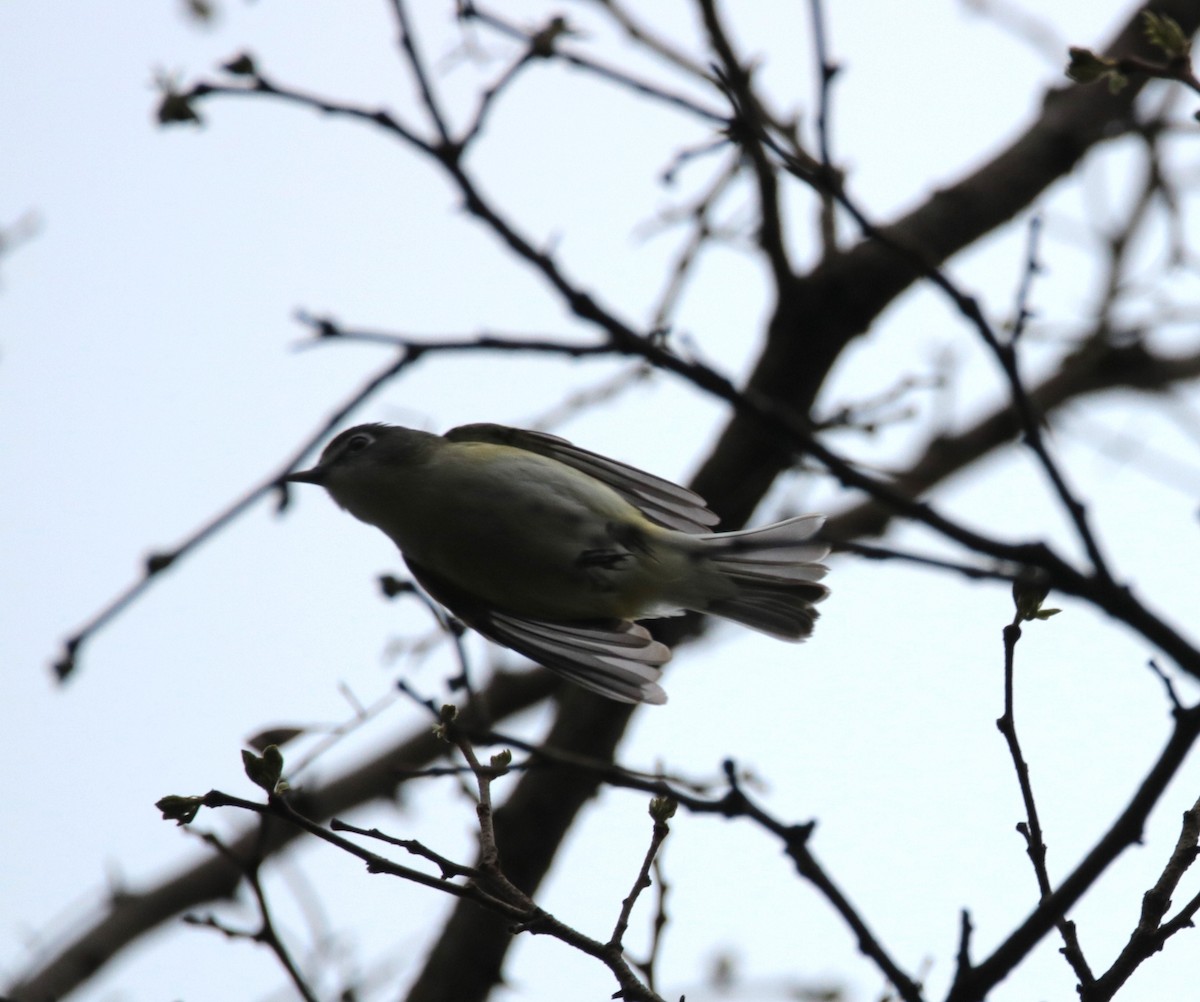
[[181, 810], [441, 731], [175, 109], [1087, 67], [1029, 591], [502, 760], [264, 771], [1164, 33], [1046, 613]]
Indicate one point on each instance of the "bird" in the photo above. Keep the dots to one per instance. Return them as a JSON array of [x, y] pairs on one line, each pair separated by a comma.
[[557, 553]]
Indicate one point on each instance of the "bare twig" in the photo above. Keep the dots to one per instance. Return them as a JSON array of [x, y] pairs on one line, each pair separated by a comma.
[[1031, 828], [1022, 314], [416, 64], [649, 966], [655, 43], [470, 11], [269, 935], [661, 809], [65, 666], [827, 70], [745, 126], [1126, 830], [1152, 932], [129, 916]]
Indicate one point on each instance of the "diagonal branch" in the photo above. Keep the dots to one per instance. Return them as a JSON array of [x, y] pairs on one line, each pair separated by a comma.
[[132, 915], [819, 314], [974, 984]]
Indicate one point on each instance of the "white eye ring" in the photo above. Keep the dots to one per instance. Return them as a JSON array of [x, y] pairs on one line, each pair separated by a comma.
[[358, 442]]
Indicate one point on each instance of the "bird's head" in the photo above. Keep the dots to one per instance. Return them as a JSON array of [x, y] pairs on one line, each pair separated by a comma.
[[364, 466]]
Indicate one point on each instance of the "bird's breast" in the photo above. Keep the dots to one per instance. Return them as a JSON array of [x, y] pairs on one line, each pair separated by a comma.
[[526, 534]]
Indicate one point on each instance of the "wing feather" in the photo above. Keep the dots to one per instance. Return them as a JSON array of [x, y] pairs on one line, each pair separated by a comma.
[[660, 500], [616, 658]]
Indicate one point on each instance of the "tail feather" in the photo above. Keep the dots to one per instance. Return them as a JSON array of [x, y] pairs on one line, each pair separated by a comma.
[[769, 576], [786, 615], [773, 569]]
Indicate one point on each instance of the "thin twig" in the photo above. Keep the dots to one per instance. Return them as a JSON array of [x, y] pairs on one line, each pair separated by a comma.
[[611, 953], [970, 309], [610, 74], [448, 866], [745, 130], [1152, 932], [1022, 313], [660, 46], [417, 65], [1031, 829], [65, 666], [826, 70], [280, 808], [649, 966], [969, 571], [1126, 830], [488, 98], [660, 810], [267, 933]]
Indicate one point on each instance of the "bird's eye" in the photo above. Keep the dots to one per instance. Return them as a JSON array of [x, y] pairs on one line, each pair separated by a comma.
[[358, 442]]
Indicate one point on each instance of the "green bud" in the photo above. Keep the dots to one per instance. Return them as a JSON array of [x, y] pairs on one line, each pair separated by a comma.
[[266, 770], [1029, 591], [1087, 67], [392, 586], [542, 43], [158, 562], [662, 809], [447, 715], [175, 109], [241, 65], [1163, 32], [181, 810]]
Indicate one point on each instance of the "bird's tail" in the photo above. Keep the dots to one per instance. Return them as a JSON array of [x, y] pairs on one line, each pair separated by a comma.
[[768, 578]]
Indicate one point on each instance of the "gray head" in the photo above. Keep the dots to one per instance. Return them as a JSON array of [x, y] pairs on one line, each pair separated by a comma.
[[364, 465]]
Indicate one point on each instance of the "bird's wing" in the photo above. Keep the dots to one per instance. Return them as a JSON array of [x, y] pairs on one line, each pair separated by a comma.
[[615, 658], [659, 500]]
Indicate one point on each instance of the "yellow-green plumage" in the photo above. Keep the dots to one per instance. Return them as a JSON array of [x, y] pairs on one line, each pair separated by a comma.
[[555, 551]]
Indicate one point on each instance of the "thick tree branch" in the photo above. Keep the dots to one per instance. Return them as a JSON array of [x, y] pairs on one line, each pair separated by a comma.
[[817, 315]]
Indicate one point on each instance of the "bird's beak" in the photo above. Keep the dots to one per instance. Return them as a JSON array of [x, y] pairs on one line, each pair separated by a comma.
[[314, 476]]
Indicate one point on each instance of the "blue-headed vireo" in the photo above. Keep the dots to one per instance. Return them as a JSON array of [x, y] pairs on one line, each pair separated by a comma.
[[554, 551]]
